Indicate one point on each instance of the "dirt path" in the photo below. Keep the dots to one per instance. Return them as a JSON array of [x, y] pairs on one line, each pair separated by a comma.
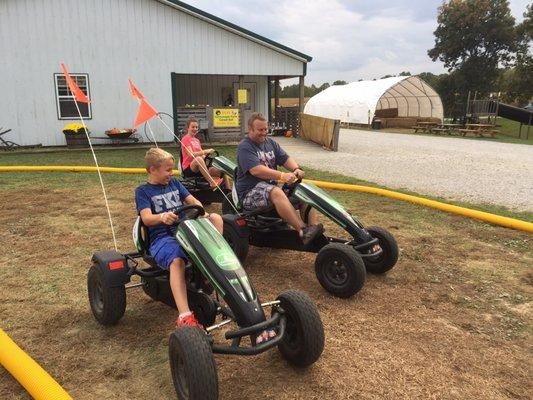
[[475, 171]]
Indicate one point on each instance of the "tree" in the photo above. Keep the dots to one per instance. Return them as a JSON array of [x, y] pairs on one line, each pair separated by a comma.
[[339, 83], [519, 85], [472, 38]]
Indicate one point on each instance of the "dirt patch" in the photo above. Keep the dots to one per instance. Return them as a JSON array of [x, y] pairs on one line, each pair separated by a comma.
[[451, 320]]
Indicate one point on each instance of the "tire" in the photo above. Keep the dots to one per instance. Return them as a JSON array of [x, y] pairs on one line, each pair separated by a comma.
[[192, 365], [108, 304], [238, 244], [303, 342], [340, 270], [385, 261], [227, 207]]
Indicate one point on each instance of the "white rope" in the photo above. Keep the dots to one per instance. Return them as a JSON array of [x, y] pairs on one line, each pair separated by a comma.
[[152, 133], [99, 174]]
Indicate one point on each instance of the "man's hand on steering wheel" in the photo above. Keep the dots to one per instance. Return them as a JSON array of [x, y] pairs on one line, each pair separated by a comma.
[[299, 173], [288, 177]]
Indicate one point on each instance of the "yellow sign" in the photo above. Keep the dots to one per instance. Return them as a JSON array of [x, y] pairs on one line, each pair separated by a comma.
[[242, 96], [226, 117]]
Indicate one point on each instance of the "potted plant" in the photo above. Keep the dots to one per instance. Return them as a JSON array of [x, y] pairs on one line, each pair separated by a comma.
[[75, 135]]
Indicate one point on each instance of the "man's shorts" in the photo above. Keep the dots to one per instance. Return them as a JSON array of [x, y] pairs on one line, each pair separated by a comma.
[[165, 250], [258, 197]]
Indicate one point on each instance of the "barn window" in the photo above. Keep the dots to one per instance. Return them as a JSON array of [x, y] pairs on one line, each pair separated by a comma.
[[66, 107]]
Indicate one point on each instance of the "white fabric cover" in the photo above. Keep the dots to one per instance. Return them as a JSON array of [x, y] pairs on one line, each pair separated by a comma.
[[352, 102]]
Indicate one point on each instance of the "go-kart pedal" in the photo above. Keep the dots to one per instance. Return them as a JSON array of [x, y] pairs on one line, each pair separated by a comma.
[[311, 232]]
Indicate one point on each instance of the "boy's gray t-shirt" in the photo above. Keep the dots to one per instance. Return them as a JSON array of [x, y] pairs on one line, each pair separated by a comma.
[[251, 154]]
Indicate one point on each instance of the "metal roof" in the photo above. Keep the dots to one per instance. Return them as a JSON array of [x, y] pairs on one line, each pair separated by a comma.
[[236, 29]]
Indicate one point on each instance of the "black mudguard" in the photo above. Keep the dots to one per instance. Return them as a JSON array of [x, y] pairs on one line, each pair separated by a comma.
[[114, 266]]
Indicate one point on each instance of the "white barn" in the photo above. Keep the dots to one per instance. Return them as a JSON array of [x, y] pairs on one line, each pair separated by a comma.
[[175, 54]]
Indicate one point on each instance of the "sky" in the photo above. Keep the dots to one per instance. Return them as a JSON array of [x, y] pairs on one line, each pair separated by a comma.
[[348, 40]]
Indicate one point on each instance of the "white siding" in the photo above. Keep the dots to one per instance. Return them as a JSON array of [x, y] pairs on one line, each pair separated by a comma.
[[112, 40]]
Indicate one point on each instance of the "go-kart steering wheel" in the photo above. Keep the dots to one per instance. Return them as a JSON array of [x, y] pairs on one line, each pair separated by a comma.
[[289, 188], [192, 211], [209, 158]]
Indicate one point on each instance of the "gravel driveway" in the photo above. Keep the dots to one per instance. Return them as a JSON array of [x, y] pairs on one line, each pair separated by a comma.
[[475, 171]]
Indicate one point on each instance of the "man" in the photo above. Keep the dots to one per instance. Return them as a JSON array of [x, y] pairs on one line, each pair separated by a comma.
[[258, 157]]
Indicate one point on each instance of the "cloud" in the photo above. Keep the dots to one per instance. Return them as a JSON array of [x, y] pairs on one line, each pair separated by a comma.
[[348, 40]]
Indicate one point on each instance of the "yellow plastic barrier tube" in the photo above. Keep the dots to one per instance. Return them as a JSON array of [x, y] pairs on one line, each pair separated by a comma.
[[72, 168], [467, 212], [39, 384]]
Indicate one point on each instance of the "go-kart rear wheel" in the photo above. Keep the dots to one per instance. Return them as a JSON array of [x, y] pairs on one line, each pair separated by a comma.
[[340, 269], [108, 304], [303, 342], [238, 244], [192, 365], [386, 260]]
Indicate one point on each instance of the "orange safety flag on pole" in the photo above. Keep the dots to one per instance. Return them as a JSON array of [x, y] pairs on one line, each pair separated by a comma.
[[134, 91], [78, 93], [144, 113]]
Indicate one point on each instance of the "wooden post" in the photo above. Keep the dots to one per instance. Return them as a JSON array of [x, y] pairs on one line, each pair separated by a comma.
[[241, 106], [302, 92], [276, 98]]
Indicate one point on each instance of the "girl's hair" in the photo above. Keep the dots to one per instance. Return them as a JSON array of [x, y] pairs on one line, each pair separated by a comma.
[[155, 157], [190, 120]]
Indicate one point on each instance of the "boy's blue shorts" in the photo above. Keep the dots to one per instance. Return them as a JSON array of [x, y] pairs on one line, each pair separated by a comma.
[[165, 250]]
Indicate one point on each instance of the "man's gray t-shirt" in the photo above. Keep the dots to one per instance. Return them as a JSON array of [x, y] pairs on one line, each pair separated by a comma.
[[251, 154]]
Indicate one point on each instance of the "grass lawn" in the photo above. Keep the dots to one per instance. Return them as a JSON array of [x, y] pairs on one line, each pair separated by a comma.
[[509, 132], [453, 318]]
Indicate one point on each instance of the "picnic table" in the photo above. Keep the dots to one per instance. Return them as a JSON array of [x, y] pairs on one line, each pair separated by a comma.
[[445, 128], [425, 126], [479, 129]]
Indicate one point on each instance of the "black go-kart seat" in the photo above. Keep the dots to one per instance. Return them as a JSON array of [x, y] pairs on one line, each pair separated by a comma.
[[142, 241]]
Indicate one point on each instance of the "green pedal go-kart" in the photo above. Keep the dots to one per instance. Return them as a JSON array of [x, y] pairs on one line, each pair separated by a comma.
[[213, 273], [340, 265]]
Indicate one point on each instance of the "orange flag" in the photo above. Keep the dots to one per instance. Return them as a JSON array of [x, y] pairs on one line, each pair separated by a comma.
[[78, 93], [134, 91], [144, 113]]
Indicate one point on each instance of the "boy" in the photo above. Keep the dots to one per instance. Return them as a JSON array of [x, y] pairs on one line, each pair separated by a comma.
[[156, 201]]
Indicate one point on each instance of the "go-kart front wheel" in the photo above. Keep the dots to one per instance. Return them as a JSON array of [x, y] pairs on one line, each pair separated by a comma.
[[386, 260], [340, 269], [192, 365], [108, 304], [303, 342]]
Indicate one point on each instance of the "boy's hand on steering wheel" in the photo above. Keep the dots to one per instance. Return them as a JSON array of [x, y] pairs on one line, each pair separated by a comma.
[[168, 218], [210, 151]]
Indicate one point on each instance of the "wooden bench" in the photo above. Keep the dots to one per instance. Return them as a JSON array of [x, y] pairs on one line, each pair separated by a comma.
[[438, 130], [465, 131]]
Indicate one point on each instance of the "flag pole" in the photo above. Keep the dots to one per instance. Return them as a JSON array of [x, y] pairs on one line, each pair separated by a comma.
[[77, 94], [147, 112], [99, 174]]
